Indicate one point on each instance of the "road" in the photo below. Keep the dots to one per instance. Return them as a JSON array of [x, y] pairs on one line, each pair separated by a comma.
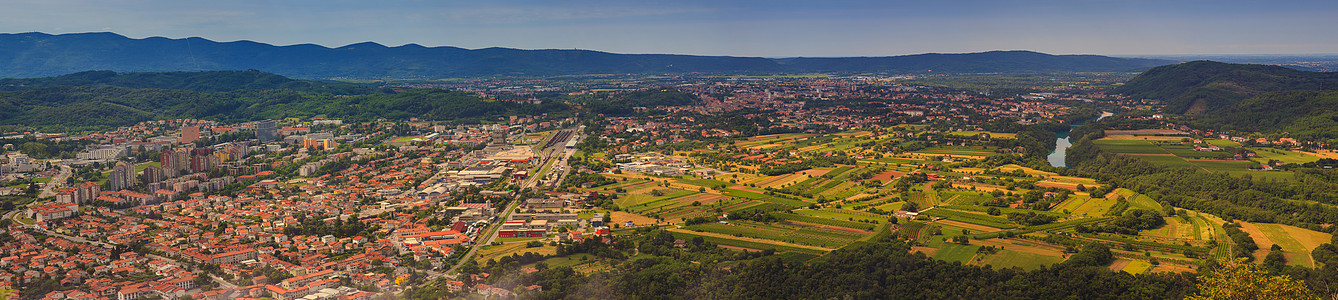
[[491, 232], [56, 182]]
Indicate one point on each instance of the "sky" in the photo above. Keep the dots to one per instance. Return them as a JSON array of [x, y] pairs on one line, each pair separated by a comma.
[[775, 28]]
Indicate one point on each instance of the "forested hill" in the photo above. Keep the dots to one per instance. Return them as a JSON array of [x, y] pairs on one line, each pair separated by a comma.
[[1201, 87], [211, 81], [74, 108], [39, 54]]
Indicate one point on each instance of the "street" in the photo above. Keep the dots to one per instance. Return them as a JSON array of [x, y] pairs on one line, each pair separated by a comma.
[[57, 181]]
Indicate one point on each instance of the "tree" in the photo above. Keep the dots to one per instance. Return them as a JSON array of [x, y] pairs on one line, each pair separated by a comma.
[[1094, 254], [1237, 279]]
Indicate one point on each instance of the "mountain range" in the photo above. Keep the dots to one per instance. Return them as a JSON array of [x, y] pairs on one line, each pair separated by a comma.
[[25, 55]]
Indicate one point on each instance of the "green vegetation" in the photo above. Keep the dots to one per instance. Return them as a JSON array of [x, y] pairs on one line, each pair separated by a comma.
[[110, 106]]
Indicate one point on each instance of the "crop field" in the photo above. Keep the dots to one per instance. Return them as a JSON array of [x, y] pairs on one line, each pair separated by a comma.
[[1176, 228], [963, 197], [847, 212], [1028, 171], [1285, 156], [1295, 241], [1093, 207], [838, 215], [1071, 204], [1131, 137], [1135, 199], [1136, 267], [761, 197], [824, 221], [993, 135], [973, 218]]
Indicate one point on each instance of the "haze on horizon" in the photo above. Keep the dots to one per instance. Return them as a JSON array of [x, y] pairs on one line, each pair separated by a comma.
[[781, 28]]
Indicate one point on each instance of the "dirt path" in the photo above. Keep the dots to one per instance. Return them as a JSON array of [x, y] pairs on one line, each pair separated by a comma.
[[748, 239], [738, 248]]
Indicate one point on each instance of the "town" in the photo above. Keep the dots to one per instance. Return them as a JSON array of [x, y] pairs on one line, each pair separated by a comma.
[[321, 208]]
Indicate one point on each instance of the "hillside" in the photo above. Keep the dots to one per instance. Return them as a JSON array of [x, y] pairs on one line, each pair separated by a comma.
[[1310, 115], [39, 54], [1204, 86], [51, 108], [212, 81]]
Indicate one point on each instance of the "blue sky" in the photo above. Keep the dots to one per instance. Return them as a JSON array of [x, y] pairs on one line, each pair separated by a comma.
[[721, 27]]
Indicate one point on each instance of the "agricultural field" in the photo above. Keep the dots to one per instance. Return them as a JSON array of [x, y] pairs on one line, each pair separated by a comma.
[[1284, 156], [812, 210], [1172, 152], [1296, 242]]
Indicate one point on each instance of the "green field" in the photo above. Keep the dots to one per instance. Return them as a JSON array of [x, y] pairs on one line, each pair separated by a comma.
[[1222, 143], [835, 215], [973, 218], [1285, 156], [824, 221]]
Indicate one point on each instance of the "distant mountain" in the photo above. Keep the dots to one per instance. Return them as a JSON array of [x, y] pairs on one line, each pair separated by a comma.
[[984, 62], [1202, 86], [38, 54]]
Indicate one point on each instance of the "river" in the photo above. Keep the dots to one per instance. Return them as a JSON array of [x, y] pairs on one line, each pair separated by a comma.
[[1062, 144]]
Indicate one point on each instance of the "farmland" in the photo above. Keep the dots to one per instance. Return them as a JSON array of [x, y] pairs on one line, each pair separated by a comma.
[[813, 210]]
